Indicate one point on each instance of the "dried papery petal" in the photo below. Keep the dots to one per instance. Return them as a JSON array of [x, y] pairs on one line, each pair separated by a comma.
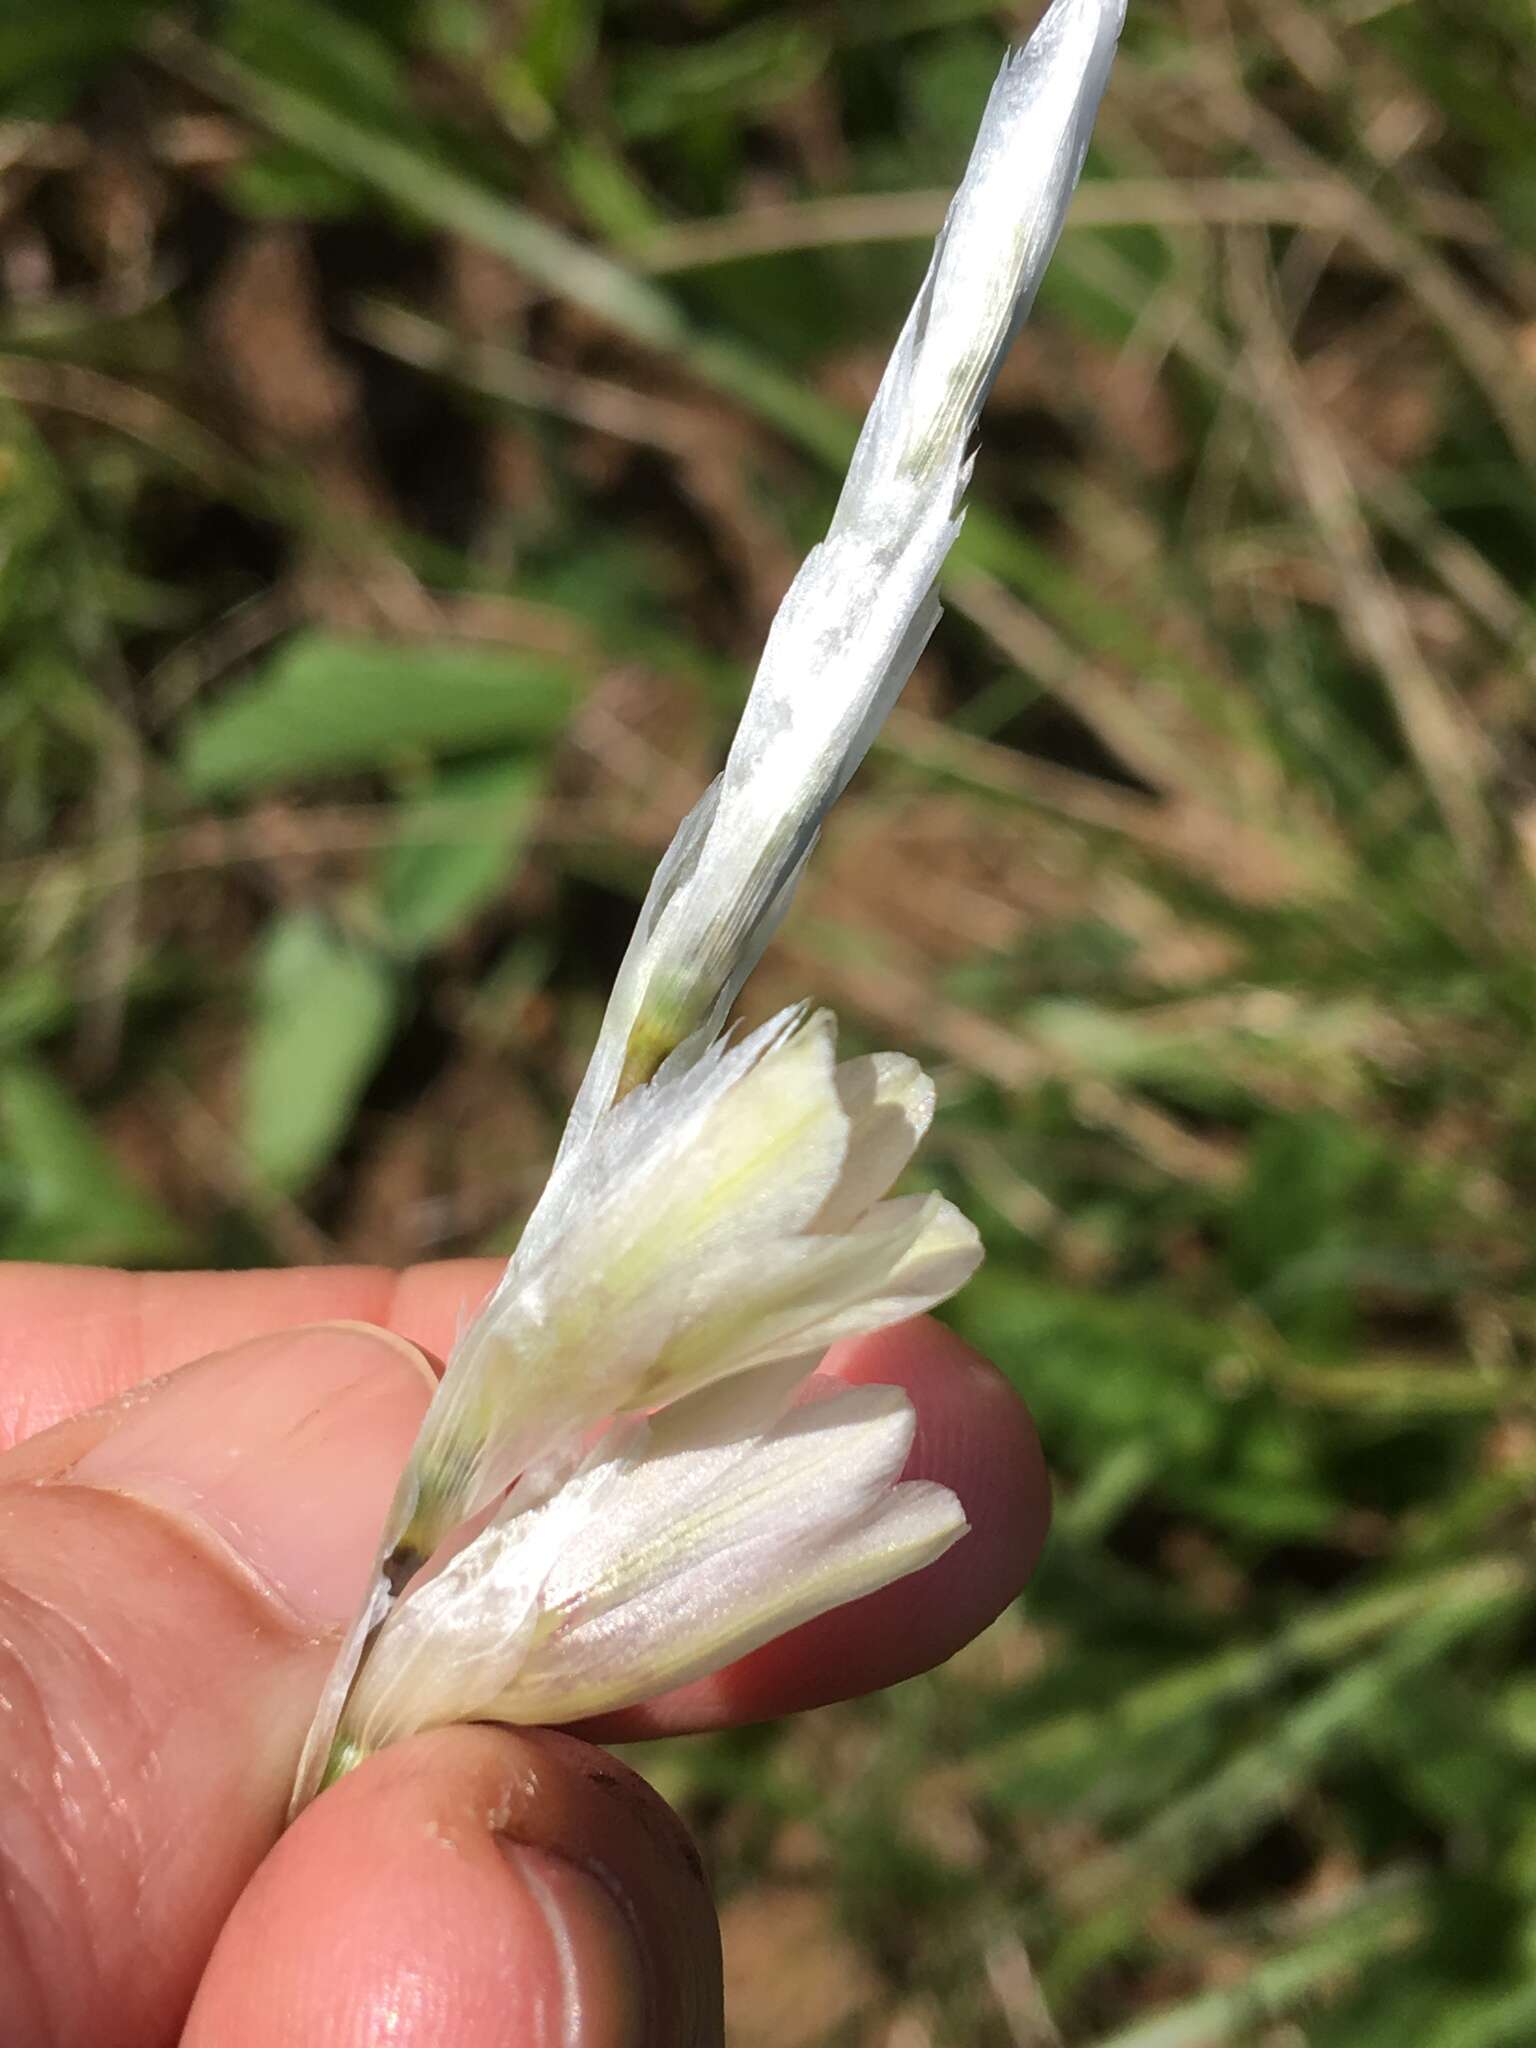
[[681, 1544], [716, 1547], [888, 1101], [800, 1296], [685, 1179], [694, 1244]]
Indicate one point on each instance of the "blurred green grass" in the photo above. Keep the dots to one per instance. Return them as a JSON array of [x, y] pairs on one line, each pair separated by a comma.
[[412, 411]]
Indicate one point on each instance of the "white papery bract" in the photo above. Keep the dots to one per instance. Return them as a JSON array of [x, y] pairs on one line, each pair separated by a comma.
[[725, 1223], [680, 1544], [715, 1217], [720, 1219], [865, 601]]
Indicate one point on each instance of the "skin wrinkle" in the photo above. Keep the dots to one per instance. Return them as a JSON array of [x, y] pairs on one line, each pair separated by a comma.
[[76, 1871], [126, 1824], [212, 1547], [106, 1669], [126, 1320], [18, 1415], [20, 1932], [24, 1969], [105, 1330], [140, 1298], [412, 2004], [53, 1848], [26, 1419]]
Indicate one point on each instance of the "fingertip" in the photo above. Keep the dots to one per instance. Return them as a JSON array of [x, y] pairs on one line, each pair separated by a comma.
[[476, 1885], [975, 1436], [434, 1304]]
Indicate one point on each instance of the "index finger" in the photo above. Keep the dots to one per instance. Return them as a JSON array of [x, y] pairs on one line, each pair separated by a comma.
[[73, 1337]]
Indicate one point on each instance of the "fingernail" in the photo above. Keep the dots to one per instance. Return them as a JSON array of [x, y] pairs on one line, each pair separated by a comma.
[[593, 1966], [283, 1453], [606, 1824]]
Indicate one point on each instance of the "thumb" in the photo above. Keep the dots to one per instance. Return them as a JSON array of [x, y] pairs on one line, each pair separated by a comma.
[[492, 1887], [173, 1570]]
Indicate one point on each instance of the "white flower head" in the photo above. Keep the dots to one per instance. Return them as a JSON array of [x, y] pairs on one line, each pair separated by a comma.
[[720, 1219], [679, 1544], [613, 1467]]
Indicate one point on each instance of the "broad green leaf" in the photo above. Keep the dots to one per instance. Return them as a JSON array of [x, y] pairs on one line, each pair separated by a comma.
[[62, 1193], [458, 848], [327, 705], [323, 1012]]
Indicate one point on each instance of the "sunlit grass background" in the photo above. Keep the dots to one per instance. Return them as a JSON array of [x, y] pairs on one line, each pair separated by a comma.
[[412, 412]]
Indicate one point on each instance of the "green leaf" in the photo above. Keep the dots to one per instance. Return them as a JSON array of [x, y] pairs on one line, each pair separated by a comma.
[[1193, 1392], [324, 1010], [279, 183], [62, 1194], [350, 65], [33, 1001], [49, 56], [760, 64], [558, 42], [458, 848], [327, 705]]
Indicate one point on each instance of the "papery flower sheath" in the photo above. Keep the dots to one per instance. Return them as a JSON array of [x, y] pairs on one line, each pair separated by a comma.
[[679, 1544], [614, 1490], [724, 1218]]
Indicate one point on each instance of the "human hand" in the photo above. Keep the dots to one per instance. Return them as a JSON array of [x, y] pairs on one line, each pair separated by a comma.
[[175, 1565]]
